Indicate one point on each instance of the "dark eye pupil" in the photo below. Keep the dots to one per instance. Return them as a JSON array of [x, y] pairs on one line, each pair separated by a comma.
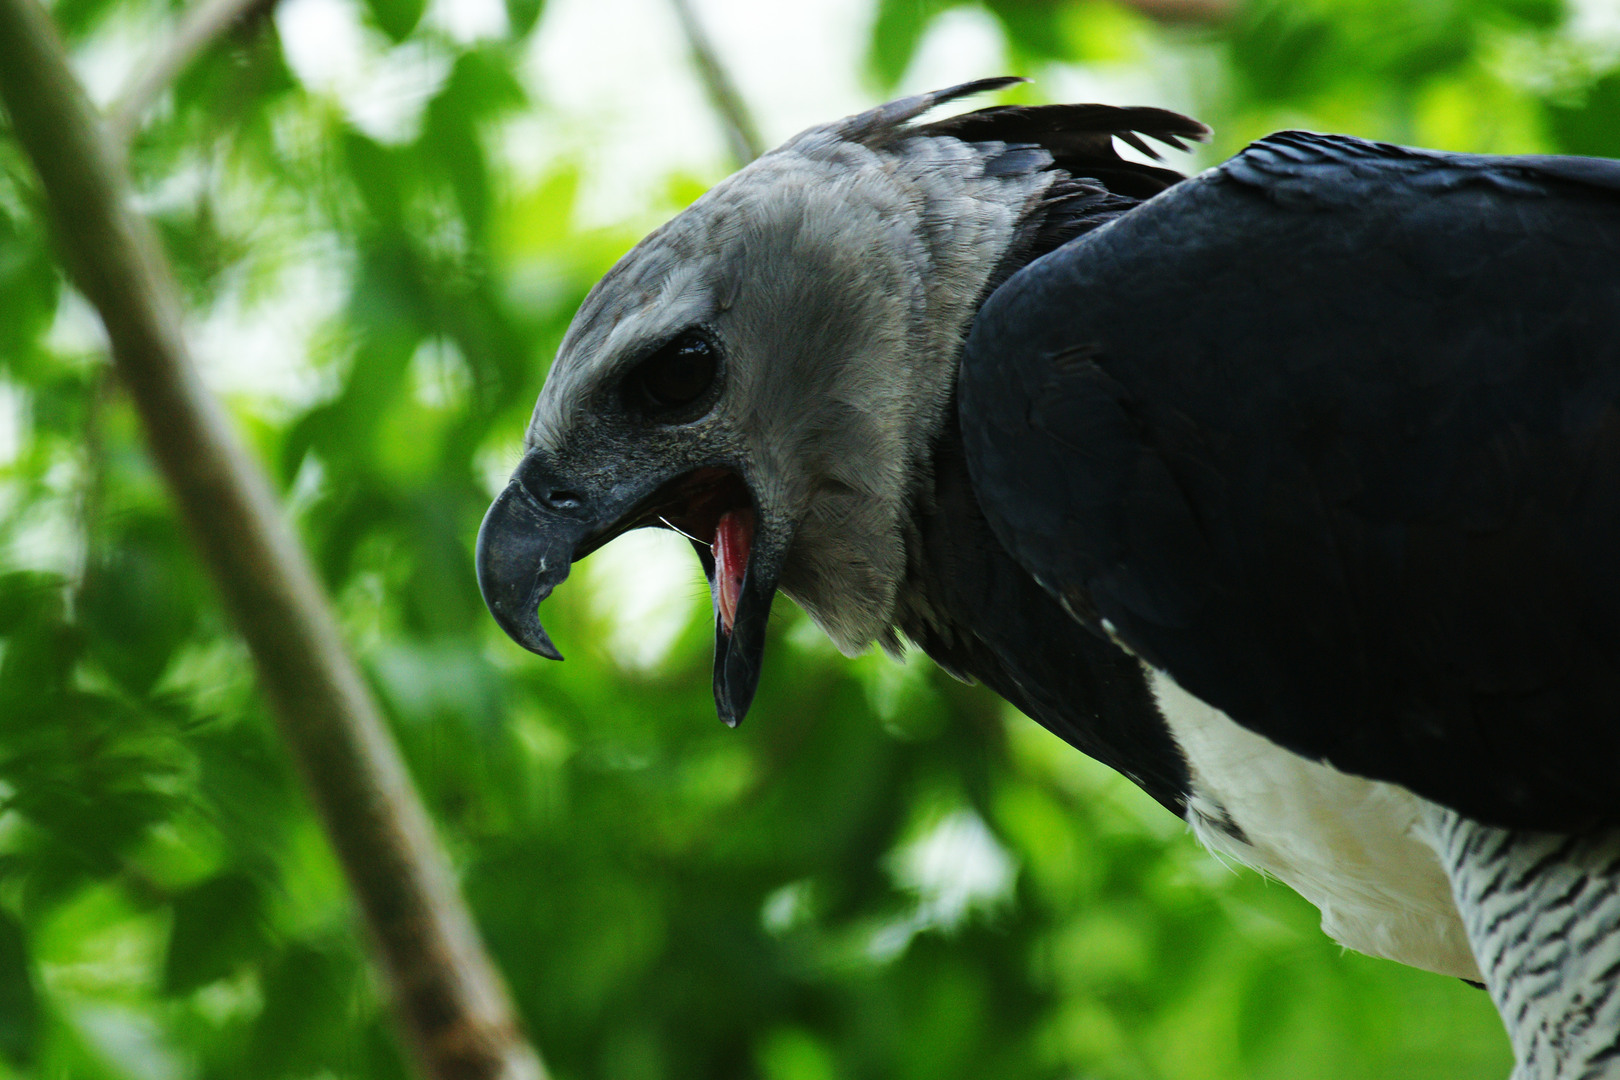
[[678, 375]]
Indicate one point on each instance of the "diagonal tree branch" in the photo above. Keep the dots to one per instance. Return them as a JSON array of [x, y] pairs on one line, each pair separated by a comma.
[[742, 134], [450, 1002], [199, 28]]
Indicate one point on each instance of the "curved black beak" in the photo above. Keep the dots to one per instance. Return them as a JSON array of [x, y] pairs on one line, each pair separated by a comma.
[[538, 526], [524, 550]]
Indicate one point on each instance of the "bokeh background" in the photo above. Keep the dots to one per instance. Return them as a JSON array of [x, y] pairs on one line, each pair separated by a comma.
[[384, 213]]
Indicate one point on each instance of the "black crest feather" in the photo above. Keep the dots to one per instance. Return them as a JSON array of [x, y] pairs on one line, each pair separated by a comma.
[[1079, 138]]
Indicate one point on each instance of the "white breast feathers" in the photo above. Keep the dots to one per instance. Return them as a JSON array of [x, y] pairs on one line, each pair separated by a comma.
[[1357, 849]]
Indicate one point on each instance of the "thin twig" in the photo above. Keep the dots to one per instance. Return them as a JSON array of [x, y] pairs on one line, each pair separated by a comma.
[[742, 134], [199, 28], [450, 1003]]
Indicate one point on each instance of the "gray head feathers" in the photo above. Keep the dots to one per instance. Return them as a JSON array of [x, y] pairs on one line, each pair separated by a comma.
[[836, 276]]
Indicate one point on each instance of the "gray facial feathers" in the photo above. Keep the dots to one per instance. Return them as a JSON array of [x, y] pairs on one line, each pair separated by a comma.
[[837, 275]]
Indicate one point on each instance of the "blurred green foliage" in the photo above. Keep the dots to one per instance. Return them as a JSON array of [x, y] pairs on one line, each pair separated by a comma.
[[884, 874]]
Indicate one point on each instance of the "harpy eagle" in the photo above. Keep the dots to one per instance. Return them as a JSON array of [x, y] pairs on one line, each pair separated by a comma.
[[1291, 490]]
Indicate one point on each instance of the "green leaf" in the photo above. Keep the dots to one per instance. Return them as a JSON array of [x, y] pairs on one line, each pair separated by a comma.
[[795, 1054], [1542, 14], [28, 597], [218, 926], [29, 285], [35, 671], [76, 17], [396, 18], [521, 15], [1593, 126], [1034, 27], [377, 171], [1280, 50], [896, 33], [20, 1011], [246, 73], [140, 599], [307, 1022], [481, 87]]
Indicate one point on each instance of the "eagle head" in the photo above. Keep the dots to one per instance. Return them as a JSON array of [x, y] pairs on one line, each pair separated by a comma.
[[768, 372]]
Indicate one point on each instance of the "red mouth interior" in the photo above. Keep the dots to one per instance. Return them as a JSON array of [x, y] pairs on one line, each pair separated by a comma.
[[711, 506], [733, 536], [695, 503]]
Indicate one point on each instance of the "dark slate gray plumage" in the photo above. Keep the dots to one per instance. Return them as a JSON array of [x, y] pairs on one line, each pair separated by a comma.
[[969, 605], [1330, 435]]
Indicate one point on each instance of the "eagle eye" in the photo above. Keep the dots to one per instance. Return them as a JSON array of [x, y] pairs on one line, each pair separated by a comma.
[[673, 378]]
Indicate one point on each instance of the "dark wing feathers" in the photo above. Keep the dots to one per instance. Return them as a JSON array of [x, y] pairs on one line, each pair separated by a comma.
[[1340, 170], [1331, 435], [970, 607]]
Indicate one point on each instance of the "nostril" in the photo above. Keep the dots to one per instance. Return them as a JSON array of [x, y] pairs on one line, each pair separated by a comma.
[[564, 500]]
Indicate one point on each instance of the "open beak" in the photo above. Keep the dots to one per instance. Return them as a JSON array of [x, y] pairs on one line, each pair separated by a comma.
[[743, 585], [540, 524]]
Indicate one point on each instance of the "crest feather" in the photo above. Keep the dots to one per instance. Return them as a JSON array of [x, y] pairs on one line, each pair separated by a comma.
[[882, 125], [1079, 138]]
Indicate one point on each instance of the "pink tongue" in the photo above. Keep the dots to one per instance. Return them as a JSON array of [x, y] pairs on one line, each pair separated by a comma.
[[730, 548]]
